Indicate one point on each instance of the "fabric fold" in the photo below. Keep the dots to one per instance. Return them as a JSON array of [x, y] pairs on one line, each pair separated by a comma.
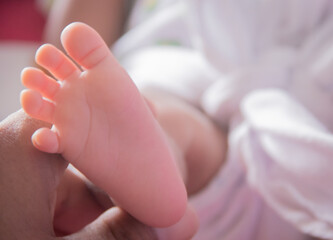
[[288, 156]]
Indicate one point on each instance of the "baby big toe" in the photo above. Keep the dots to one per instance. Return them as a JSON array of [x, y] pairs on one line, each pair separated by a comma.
[[84, 45]]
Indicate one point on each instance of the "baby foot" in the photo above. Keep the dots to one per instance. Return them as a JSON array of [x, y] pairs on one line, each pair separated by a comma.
[[103, 126]]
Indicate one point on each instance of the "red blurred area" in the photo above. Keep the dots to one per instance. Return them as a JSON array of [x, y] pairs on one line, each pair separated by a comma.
[[21, 20]]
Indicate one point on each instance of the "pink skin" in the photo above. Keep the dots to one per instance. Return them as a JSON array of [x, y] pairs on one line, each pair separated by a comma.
[[103, 126]]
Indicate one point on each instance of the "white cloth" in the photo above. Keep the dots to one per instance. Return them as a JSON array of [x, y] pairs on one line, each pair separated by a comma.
[[264, 69]]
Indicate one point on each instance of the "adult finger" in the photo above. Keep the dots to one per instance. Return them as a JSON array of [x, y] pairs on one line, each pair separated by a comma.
[[78, 203], [115, 224]]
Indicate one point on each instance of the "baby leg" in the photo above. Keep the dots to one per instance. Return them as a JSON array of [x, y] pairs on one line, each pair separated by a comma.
[[103, 126]]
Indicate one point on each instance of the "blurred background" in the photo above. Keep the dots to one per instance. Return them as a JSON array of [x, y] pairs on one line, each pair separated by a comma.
[[21, 28]]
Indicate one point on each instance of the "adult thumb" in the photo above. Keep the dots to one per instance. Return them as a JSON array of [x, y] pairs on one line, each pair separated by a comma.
[[114, 224]]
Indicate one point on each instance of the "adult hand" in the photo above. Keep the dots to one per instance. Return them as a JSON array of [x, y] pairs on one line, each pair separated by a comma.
[[29, 181]]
